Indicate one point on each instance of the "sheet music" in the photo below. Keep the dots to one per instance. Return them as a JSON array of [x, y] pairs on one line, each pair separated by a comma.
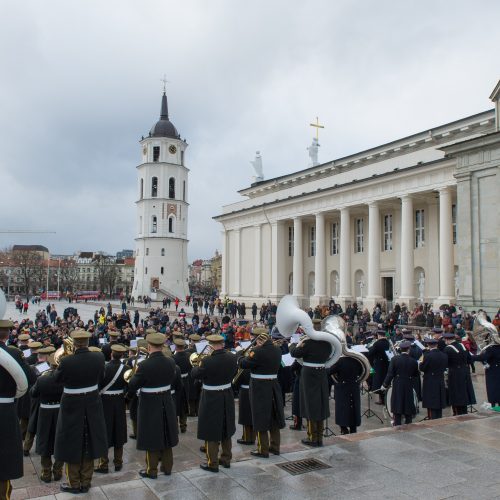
[[172, 347], [133, 343], [102, 341], [27, 353], [419, 344], [201, 345], [140, 359], [245, 343], [295, 338], [42, 367], [359, 348], [389, 355], [287, 359]]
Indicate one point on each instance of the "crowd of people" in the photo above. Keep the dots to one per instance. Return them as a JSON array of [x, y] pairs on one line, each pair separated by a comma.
[[166, 366]]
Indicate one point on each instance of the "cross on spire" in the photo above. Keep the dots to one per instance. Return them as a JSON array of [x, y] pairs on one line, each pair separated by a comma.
[[165, 81], [317, 126]]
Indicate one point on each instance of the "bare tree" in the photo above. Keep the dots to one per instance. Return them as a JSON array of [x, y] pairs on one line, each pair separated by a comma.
[[30, 268], [107, 272], [68, 275]]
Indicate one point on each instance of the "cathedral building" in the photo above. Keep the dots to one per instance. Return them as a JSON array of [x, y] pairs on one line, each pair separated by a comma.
[[161, 267], [413, 220]]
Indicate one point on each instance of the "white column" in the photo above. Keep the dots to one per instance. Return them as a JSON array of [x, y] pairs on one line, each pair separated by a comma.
[[258, 262], [298, 259], [407, 236], [446, 258], [277, 260], [225, 260], [320, 260], [237, 262], [374, 289], [345, 293]]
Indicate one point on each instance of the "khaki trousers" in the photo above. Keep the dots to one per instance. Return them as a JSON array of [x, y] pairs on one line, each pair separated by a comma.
[[117, 459], [134, 427], [23, 424], [80, 475], [28, 441], [268, 441], [212, 452], [248, 434], [315, 430], [5, 490], [183, 421], [153, 458], [48, 468]]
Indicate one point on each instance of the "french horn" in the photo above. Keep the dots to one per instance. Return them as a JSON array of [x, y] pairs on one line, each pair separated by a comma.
[[289, 316], [484, 332]]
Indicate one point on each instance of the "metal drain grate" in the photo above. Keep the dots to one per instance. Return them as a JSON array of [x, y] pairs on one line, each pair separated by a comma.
[[302, 466]]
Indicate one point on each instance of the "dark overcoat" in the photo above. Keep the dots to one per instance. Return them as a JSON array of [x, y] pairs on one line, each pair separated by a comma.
[[48, 392], [265, 394], [216, 416], [11, 454], [314, 390], [156, 413], [181, 359], [296, 370], [379, 361], [194, 385], [433, 366], [113, 405], [416, 353], [402, 370], [460, 389], [132, 399], [491, 355], [347, 392], [81, 429], [242, 385]]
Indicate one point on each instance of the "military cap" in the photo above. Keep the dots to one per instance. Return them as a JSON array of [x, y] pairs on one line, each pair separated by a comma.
[[132, 348], [195, 337], [34, 345], [405, 344], [155, 338], [437, 330], [150, 330], [214, 339], [6, 323], [259, 331], [118, 348], [113, 333], [93, 348], [179, 341], [448, 335], [80, 333], [316, 320], [380, 331], [47, 350], [178, 334], [409, 336], [24, 336], [430, 341], [142, 343]]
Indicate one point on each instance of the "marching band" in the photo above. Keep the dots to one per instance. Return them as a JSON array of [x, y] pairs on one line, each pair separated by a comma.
[[73, 401]]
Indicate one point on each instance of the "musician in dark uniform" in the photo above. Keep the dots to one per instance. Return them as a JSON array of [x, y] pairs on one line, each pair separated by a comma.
[[491, 356], [460, 390], [265, 395], [194, 385], [11, 455], [24, 403], [216, 421], [433, 366], [48, 392], [81, 429], [346, 389], [181, 358], [113, 340], [242, 385], [112, 390], [437, 334], [314, 390], [42, 355], [401, 371], [380, 363], [132, 400], [297, 417], [416, 353], [156, 415]]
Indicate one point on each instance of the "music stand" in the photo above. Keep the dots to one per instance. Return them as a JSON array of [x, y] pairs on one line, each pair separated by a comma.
[[369, 413], [327, 431], [471, 409]]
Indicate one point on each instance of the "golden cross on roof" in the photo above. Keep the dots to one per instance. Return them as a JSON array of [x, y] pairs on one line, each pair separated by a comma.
[[165, 81], [317, 126]]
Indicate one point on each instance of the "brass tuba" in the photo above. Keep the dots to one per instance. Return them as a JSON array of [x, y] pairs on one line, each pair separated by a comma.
[[289, 316], [484, 332], [128, 374], [196, 358], [67, 349]]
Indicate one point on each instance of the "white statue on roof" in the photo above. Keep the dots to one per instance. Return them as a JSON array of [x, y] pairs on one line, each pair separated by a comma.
[[313, 152], [257, 165]]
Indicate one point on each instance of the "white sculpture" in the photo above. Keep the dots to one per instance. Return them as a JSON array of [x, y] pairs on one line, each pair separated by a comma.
[[421, 286], [336, 286], [257, 165], [313, 152], [457, 284]]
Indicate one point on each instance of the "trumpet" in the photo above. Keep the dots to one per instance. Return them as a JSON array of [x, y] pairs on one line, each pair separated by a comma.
[[128, 374], [244, 354], [67, 349], [196, 358]]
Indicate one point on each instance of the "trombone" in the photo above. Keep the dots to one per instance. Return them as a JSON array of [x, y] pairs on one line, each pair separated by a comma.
[[196, 358], [244, 353], [128, 374]]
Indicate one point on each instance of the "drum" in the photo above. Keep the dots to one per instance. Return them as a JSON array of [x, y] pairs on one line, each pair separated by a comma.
[[388, 410]]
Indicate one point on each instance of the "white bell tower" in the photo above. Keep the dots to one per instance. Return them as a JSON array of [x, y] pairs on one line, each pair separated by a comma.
[[161, 265]]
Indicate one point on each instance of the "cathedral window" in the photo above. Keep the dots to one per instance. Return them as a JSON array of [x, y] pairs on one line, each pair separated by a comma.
[[161, 270], [140, 224], [454, 223], [290, 241], [334, 243], [163, 252], [154, 187], [147, 251], [312, 241], [154, 224], [183, 190], [141, 194], [182, 158], [419, 229], [156, 153], [359, 236], [171, 188], [145, 270], [170, 224], [387, 232]]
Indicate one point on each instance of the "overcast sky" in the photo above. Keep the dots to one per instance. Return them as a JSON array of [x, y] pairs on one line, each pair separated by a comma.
[[80, 84]]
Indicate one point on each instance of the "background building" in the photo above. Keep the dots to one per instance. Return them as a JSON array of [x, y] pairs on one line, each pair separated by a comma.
[[414, 220], [205, 276], [161, 267]]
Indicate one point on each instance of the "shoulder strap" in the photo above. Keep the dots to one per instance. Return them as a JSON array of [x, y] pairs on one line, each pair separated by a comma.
[[113, 380], [454, 348]]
